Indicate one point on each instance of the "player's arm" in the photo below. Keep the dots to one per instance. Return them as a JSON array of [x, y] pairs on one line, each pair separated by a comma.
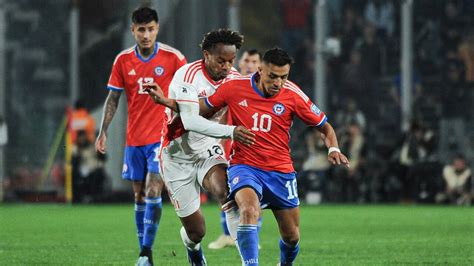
[[110, 107], [158, 96], [312, 116], [335, 155], [188, 104]]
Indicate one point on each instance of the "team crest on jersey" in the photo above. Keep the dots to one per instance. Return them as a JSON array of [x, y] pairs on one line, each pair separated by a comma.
[[159, 70], [315, 109], [235, 180], [278, 109]]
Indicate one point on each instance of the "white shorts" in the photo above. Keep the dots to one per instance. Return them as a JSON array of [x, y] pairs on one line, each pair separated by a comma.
[[183, 180]]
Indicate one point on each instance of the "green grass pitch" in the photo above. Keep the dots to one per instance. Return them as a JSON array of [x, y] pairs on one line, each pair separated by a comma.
[[330, 235]]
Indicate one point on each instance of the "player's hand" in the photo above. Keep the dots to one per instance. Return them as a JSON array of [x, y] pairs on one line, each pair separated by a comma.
[[337, 158], [155, 92], [100, 144], [243, 135]]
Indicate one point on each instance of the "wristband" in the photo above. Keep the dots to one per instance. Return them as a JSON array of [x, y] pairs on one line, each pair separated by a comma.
[[331, 149]]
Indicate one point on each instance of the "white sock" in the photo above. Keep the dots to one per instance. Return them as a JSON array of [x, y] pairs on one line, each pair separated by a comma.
[[187, 242], [232, 217]]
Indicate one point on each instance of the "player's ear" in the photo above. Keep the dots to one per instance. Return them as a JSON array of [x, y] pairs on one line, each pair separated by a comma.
[[132, 28], [157, 28], [205, 53]]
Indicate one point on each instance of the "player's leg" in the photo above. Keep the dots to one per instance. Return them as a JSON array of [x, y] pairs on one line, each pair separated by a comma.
[[139, 196], [215, 181], [153, 206], [247, 232], [153, 202], [134, 169], [192, 233], [212, 175], [288, 224], [246, 190], [184, 191], [281, 193]]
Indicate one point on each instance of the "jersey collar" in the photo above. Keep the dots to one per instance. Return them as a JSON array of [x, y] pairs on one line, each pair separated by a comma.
[[144, 60], [254, 84]]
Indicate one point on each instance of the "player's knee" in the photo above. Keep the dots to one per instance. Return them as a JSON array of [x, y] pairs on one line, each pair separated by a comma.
[[152, 191], [292, 242], [139, 197], [196, 234], [221, 194], [291, 238], [249, 214]]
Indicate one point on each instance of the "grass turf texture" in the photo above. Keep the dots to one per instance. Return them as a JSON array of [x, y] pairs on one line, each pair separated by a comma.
[[330, 235]]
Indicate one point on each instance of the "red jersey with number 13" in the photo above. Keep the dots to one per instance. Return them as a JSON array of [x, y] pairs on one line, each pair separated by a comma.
[[130, 72], [269, 118]]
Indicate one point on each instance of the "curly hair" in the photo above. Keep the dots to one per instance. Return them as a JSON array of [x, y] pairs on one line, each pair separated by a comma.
[[277, 56], [224, 36]]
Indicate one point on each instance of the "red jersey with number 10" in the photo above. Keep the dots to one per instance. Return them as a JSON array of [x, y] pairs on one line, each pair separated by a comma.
[[130, 72], [269, 118]]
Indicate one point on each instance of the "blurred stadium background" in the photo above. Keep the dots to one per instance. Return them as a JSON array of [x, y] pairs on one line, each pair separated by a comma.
[[399, 134], [396, 78]]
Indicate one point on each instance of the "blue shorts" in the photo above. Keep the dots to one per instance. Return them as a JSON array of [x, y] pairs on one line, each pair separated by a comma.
[[275, 190], [140, 160]]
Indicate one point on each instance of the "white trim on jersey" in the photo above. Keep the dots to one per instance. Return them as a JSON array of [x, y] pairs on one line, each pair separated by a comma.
[[294, 88], [124, 52], [170, 49]]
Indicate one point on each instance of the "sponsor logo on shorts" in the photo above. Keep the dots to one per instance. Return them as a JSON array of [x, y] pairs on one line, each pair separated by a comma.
[[278, 109], [159, 70], [235, 180]]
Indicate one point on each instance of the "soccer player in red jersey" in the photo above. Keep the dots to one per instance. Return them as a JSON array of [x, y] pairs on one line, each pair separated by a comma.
[[147, 62], [248, 64], [262, 174]]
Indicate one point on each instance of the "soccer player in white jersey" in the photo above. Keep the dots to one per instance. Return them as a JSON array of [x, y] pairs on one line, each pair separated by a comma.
[[191, 160], [248, 64]]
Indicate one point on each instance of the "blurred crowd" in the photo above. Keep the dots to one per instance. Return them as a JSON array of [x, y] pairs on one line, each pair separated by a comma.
[[427, 162]]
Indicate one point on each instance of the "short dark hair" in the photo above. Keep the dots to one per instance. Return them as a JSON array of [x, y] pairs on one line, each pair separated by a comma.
[[253, 51], [143, 15], [224, 36], [277, 56]]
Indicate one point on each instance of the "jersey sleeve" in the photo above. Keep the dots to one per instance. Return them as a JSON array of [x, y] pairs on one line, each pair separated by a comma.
[[116, 82], [309, 112], [185, 93], [180, 61], [219, 98]]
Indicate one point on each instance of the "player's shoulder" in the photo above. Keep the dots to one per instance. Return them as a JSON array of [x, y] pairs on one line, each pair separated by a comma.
[[292, 88], [236, 81], [234, 73], [188, 72], [233, 79], [124, 54], [170, 50]]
